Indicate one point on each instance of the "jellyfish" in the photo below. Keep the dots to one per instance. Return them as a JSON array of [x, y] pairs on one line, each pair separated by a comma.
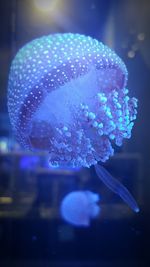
[[79, 207], [68, 96]]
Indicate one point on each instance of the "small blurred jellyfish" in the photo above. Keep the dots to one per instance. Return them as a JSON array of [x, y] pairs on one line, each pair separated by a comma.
[[67, 95], [79, 207]]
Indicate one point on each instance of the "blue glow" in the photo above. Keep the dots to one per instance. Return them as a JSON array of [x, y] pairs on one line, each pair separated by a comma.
[[29, 162]]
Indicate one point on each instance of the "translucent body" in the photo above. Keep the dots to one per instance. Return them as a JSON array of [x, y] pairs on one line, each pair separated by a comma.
[[67, 95], [79, 207], [116, 187]]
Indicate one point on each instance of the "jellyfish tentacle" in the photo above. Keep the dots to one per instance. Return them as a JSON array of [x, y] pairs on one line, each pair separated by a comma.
[[117, 187]]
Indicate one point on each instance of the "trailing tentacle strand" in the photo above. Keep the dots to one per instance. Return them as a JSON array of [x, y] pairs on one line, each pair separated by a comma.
[[117, 187]]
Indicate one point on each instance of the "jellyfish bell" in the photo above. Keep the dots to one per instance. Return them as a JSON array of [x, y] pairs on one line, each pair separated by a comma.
[[67, 95], [79, 207]]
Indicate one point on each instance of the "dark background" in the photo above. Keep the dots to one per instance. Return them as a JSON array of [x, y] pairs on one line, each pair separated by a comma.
[[27, 237]]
